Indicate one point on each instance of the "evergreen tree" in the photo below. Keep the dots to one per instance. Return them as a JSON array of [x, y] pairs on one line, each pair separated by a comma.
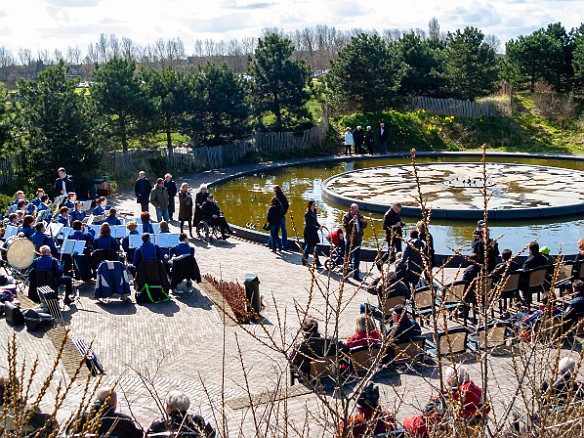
[[471, 67], [168, 91], [279, 85], [63, 128], [220, 109], [421, 66], [364, 75], [119, 94]]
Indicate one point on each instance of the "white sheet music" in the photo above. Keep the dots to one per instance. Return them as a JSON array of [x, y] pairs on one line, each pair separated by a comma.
[[90, 219], [54, 229], [11, 231], [65, 232], [155, 228], [73, 246], [95, 229], [167, 240], [119, 231]]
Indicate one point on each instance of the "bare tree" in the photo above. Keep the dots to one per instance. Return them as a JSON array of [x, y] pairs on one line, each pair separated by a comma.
[[73, 56], [434, 29], [114, 44], [129, 51], [198, 49], [494, 42]]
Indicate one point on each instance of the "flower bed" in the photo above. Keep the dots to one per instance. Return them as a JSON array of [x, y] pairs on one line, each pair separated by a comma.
[[234, 294]]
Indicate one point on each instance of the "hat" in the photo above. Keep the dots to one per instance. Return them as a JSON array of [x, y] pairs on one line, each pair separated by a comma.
[[477, 232], [369, 397], [545, 250], [481, 223], [211, 196], [399, 309]]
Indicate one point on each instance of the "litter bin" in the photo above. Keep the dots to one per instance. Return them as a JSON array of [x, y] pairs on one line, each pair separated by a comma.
[[252, 292]]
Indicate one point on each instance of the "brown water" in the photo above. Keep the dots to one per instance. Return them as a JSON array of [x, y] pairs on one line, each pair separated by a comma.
[[245, 201]]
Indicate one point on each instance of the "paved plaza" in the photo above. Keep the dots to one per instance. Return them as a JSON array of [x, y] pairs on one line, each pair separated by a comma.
[[188, 344]]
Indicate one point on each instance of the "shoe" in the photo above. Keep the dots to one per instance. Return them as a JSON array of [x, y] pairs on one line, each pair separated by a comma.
[[303, 262], [319, 265], [356, 277]]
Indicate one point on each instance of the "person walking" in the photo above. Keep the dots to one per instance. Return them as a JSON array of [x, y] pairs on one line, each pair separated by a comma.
[[285, 205], [354, 224], [349, 141], [274, 219], [311, 229], [142, 189], [172, 191], [159, 199]]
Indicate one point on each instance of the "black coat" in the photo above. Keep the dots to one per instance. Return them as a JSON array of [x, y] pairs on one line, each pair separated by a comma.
[[369, 139], [383, 137], [358, 136], [274, 215], [117, 424], [69, 187], [284, 201], [311, 227], [534, 261], [389, 220], [177, 422], [142, 189], [171, 187]]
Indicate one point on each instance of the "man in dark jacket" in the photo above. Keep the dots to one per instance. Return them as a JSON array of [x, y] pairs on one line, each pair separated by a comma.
[[383, 134], [358, 138], [213, 215], [142, 190], [112, 423], [63, 184], [392, 224], [178, 419], [284, 204], [535, 259], [354, 223], [172, 191], [478, 247], [413, 259]]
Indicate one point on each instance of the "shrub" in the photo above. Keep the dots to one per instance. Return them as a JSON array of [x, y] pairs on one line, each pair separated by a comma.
[[234, 294]]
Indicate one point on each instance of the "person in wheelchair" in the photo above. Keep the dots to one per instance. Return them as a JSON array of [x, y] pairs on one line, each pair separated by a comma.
[[213, 216], [46, 262]]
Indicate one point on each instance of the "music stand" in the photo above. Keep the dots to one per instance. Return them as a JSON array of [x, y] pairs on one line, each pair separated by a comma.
[[167, 240], [11, 231]]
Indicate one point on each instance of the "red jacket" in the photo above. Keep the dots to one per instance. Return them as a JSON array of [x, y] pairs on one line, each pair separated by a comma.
[[362, 338]]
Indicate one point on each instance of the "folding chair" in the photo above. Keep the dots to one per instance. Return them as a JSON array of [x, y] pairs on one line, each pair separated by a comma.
[[508, 288], [449, 342], [362, 358], [422, 303], [534, 281], [50, 301], [494, 335]]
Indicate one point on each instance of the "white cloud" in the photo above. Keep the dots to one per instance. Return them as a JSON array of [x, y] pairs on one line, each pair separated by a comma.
[[51, 24]]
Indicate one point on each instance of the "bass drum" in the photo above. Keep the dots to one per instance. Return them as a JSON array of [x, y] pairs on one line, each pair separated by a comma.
[[19, 252]]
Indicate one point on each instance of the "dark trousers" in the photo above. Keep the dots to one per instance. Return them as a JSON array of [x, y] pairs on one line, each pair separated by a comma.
[[309, 249], [354, 251], [144, 205], [171, 207], [189, 222], [275, 242], [221, 222], [66, 281]]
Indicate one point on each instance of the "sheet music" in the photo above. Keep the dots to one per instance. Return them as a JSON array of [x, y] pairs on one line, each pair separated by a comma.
[[167, 240], [135, 240], [90, 219], [65, 232], [54, 229], [11, 231], [140, 228], [119, 231], [155, 228], [73, 246], [95, 229]]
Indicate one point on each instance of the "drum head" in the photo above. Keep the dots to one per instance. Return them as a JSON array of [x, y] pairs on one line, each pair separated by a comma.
[[20, 253]]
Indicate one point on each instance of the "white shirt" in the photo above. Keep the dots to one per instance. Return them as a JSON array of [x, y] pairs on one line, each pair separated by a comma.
[[348, 138]]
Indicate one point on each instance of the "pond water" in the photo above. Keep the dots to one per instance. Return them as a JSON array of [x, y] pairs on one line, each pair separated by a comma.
[[245, 201]]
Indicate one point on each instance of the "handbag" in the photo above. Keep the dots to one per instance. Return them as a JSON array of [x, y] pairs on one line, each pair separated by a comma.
[[266, 226]]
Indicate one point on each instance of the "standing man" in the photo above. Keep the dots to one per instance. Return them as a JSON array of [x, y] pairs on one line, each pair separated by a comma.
[[383, 134], [354, 223], [369, 140], [358, 138], [392, 225], [285, 205], [159, 199], [172, 191], [142, 190], [63, 184]]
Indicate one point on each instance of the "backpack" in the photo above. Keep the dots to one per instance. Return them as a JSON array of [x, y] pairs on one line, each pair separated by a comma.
[[151, 294]]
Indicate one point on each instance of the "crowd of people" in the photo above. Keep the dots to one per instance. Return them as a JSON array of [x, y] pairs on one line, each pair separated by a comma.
[[361, 140]]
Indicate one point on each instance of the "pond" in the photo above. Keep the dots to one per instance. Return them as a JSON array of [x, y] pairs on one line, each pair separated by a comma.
[[245, 200]]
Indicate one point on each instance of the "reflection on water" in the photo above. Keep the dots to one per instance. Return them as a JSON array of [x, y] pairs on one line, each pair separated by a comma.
[[245, 200]]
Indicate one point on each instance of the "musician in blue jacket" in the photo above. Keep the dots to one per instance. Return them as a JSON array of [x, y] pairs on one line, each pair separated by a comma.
[[148, 251], [39, 239], [100, 209], [70, 202], [63, 217], [183, 247], [26, 227], [132, 227], [46, 262], [105, 239], [111, 217], [78, 214]]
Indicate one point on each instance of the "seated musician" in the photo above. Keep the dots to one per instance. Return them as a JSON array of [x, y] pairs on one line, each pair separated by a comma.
[[26, 207], [63, 217], [13, 206], [111, 217], [214, 216], [183, 247], [78, 214], [70, 202], [37, 201], [44, 203], [39, 238], [26, 227], [81, 261], [100, 209], [146, 225], [147, 251], [78, 233], [133, 229], [46, 262], [166, 252], [105, 239], [13, 220]]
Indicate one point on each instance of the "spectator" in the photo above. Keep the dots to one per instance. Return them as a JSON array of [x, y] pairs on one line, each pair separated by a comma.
[[172, 191], [311, 228], [478, 247], [185, 208], [103, 412], [213, 215], [348, 141], [403, 327], [285, 205], [142, 190], [358, 138], [507, 265], [413, 259], [274, 220], [575, 308], [354, 223], [370, 419], [369, 140], [159, 199], [177, 418], [535, 259], [565, 389], [200, 198], [467, 406], [365, 333], [314, 346]]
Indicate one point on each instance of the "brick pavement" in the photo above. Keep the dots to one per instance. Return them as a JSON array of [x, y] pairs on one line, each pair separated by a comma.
[[183, 344]]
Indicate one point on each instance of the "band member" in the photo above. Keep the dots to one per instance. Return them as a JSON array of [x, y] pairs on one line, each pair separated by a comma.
[[78, 214], [133, 229], [45, 203], [37, 201], [63, 217], [39, 239], [105, 239], [46, 262], [70, 202], [147, 251], [63, 184], [100, 209], [111, 217], [26, 227]]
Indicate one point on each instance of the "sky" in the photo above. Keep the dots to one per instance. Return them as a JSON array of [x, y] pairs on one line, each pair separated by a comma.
[[58, 24]]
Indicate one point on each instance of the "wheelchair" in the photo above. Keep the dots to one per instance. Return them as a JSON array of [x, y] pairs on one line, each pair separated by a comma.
[[207, 231]]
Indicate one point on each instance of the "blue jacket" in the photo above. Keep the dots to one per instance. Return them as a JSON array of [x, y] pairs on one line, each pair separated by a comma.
[[48, 263], [112, 278], [148, 251], [183, 248], [78, 215], [39, 239], [107, 242], [28, 231]]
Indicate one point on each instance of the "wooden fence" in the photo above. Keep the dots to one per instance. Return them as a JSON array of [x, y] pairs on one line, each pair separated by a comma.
[[188, 159], [461, 108]]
